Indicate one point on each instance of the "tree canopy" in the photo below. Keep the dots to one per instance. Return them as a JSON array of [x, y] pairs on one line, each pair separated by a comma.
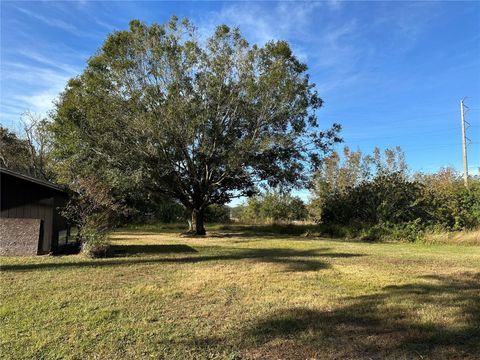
[[159, 109]]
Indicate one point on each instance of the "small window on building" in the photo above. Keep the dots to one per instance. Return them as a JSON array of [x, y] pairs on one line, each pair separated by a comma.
[[62, 237]]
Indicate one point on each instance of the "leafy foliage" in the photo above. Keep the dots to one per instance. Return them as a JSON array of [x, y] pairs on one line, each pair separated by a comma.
[[451, 205], [200, 122], [273, 206], [92, 206], [93, 210], [217, 214], [14, 152], [29, 152], [95, 244], [387, 198], [375, 197]]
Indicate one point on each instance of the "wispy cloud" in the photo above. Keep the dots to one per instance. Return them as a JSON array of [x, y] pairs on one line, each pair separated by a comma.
[[105, 25], [329, 49], [48, 61], [40, 85], [49, 21], [34, 73], [334, 4], [284, 20], [69, 26]]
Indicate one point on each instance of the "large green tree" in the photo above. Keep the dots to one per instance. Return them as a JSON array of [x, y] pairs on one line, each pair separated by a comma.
[[199, 120]]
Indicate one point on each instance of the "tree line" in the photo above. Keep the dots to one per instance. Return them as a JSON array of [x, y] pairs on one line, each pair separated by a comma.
[[166, 124], [374, 197]]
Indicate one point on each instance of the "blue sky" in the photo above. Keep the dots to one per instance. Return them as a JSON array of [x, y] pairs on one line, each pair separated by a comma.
[[392, 73]]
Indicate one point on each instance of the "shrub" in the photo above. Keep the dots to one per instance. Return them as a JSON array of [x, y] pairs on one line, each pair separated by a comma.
[[373, 233], [94, 239], [217, 214], [95, 244], [336, 231], [410, 231], [389, 204]]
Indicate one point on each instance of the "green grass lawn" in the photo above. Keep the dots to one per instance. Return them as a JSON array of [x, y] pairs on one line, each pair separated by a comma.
[[243, 294]]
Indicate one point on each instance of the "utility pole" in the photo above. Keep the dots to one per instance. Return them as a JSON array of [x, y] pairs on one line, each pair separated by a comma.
[[464, 144]]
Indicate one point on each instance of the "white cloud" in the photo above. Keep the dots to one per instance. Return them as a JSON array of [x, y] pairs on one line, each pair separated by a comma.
[[333, 48]]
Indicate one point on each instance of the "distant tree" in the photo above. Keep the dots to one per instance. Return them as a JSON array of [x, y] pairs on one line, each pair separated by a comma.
[[297, 209], [343, 184], [201, 122], [38, 137], [161, 210], [237, 212], [451, 205], [218, 214], [375, 191], [14, 152], [274, 206], [29, 152], [393, 161], [250, 212]]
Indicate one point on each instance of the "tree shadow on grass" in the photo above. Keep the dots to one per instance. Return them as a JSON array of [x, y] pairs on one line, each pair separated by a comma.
[[247, 235], [383, 325], [293, 260], [125, 250]]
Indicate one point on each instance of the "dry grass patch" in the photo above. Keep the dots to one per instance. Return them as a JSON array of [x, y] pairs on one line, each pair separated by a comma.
[[466, 237]]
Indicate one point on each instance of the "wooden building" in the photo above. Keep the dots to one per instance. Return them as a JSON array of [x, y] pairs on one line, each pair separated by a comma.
[[30, 218]]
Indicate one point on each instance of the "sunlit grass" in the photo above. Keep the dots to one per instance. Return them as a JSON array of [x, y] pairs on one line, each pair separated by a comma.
[[243, 293]]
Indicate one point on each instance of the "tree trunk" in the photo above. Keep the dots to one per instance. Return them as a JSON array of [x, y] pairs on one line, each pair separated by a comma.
[[197, 222]]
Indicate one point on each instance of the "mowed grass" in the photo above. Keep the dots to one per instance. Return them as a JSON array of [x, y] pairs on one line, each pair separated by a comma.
[[239, 294]]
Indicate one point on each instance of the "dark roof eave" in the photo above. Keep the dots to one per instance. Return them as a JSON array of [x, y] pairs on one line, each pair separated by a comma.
[[48, 184]]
